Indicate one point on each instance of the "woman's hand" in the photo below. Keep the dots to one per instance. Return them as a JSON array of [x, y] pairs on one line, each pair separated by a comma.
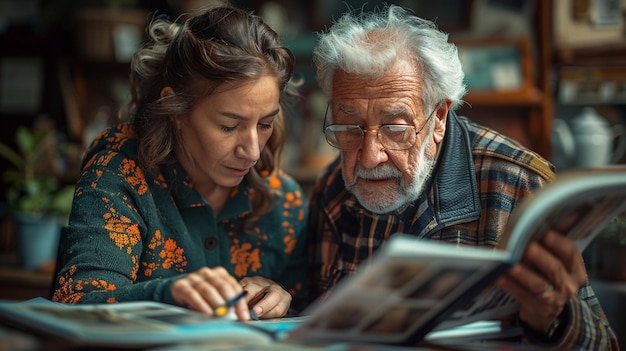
[[549, 276], [208, 288], [266, 298]]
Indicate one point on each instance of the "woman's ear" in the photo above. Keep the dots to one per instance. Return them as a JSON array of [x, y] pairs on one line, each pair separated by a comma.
[[165, 92], [441, 116]]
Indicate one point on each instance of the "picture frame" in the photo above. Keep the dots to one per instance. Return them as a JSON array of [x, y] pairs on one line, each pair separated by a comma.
[[500, 65]]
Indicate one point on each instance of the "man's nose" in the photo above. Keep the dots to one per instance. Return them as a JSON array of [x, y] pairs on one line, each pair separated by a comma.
[[372, 152]]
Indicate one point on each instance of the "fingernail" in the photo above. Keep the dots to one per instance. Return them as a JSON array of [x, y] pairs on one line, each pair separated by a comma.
[[258, 310]]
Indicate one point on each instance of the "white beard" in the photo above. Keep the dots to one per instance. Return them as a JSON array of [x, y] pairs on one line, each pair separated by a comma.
[[393, 197]]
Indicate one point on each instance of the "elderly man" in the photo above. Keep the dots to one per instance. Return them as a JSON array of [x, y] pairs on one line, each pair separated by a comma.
[[409, 164]]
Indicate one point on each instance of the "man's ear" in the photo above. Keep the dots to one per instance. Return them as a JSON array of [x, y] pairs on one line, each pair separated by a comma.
[[441, 116], [165, 92]]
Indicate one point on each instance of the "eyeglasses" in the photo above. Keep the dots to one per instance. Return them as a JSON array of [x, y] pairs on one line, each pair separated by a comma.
[[349, 137]]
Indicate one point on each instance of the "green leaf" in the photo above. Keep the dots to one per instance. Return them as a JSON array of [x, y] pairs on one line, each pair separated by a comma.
[[25, 141], [11, 156], [62, 200], [32, 184]]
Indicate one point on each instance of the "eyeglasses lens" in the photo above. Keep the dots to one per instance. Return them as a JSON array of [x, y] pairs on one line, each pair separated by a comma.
[[350, 137]]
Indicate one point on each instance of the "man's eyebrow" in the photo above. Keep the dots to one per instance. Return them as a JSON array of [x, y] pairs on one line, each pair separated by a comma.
[[400, 111], [345, 109], [393, 113]]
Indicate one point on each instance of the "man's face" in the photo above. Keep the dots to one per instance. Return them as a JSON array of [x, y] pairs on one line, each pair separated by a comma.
[[385, 180]]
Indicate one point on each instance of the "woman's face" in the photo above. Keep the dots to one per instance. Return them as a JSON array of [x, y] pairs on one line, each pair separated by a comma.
[[225, 132]]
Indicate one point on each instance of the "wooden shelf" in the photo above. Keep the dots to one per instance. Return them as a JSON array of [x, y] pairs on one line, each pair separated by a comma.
[[605, 55], [531, 98]]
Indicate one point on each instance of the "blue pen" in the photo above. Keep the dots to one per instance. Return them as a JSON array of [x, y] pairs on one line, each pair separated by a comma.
[[222, 310]]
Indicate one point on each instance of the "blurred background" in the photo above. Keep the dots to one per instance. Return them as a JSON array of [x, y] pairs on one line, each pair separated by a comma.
[[64, 65], [551, 74]]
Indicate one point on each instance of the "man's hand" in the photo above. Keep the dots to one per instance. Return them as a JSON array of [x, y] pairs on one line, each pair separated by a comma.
[[551, 272]]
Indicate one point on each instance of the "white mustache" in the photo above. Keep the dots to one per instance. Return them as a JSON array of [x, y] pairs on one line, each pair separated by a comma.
[[383, 171]]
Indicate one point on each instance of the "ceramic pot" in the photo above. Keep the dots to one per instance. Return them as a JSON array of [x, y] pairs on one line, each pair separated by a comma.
[[587, 140], [37, 239]]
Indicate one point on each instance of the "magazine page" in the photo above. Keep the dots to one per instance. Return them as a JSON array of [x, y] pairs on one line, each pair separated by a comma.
[[410, 286], [127, 323], [578, 204]]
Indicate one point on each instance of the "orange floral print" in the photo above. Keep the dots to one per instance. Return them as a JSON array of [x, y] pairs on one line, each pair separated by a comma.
[[134, 176], [118, 139], [121, 230], [244, 258], [160, 181], [293, 200], [234, 192], [290, 237], [295, 289], [171, 254], [166, 254], [133, 273], [89, 162], [104, 160], [71, 291], [275, 183]]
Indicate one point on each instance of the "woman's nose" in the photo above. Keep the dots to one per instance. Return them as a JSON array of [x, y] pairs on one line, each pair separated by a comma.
[[248, 147]]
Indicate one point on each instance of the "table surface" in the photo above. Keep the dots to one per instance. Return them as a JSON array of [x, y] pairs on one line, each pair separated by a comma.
[[19, 284]]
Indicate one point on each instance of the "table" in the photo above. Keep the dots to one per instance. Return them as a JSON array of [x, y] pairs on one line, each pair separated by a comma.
[[19, 284]]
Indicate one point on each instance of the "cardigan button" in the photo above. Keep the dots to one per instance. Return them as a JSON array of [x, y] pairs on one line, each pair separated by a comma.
[[210, 243]]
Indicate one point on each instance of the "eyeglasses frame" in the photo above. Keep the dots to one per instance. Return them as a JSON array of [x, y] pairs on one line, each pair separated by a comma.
[[377, 129]]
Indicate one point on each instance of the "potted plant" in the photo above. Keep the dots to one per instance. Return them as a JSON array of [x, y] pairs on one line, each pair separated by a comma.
[[36, 200]]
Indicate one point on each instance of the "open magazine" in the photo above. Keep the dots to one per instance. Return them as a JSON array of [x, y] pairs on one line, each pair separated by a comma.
[[133, 324], [412, 290], [414, 287]]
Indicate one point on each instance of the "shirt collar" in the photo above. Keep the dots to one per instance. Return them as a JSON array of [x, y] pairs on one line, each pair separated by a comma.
[[452, 189], [185, 196], [455, 190]]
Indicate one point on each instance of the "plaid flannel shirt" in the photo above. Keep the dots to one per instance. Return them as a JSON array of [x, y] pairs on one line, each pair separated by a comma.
[[480, 178]]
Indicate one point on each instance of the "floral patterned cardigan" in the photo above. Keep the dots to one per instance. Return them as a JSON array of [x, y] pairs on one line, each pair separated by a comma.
[[130, 235]]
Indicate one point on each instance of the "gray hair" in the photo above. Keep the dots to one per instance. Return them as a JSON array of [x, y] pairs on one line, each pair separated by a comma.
[[371, 43]]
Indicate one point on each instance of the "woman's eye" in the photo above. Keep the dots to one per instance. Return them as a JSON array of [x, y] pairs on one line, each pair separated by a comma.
[[265, 126], [227, 129]]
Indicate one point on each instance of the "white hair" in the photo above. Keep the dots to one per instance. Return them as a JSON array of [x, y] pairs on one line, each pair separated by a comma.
[[370, 43]]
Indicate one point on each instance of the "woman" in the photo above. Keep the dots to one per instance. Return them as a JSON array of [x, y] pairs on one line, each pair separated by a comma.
[[186, 204]]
